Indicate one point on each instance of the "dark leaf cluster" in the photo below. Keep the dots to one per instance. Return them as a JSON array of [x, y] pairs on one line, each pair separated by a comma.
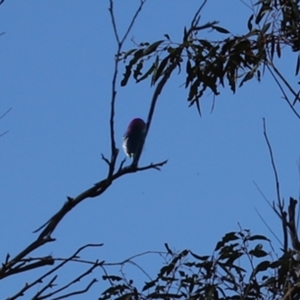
[[230, 59], [187, 275]]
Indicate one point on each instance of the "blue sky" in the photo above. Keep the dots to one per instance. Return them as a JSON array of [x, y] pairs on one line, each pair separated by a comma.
[[56, 63]]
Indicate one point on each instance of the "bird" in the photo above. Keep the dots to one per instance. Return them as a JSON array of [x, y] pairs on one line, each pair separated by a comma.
[[133, 137]]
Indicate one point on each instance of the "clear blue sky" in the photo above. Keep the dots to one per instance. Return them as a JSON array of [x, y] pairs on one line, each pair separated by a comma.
[[56, 62]]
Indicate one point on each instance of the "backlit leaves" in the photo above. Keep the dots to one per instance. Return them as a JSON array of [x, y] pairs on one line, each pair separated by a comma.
[[187, 275], [230, 59]]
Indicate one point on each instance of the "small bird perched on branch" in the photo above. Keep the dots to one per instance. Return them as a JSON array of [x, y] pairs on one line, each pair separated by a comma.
[[133, 137]]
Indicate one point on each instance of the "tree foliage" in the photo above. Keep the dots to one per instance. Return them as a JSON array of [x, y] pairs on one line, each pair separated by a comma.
[[223, 275], [229, 61]]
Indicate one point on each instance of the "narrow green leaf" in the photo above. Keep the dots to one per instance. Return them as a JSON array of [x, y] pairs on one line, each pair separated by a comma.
[[258, 73], [149, 285], [198, 106], [126, 75], [127, 53], [264, 265], [278, 49], [152, 48], [160, 68], [263, 10], [168, 249], [203, 258], [128, 69], [185, 37], [257, 237], [137, 71], [266, 27], [111, 277], [221, 29], [249, 24], [247, 77], [150, 71], [258, 253]]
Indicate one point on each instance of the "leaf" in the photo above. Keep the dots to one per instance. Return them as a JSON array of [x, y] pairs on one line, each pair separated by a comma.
[[167, 36], [257, 237], [258, 253], [170, 267], [152, 48], [126, 75], [156, 295], [189, 76], [198, 106], [206, 44], [266, 27], [150, 71], [127, 53], [220, 29], [258, 75], [128, 69], [149, 285], [232, 257], [111, 277], [272, 47], [188, 66], [278, 49], [185, 37], [160, 68], [138, 69], [137, 55], [168, 249], [247, 77], [262, 266], [203, 258], [249, 24], [143, 44], [126, 296], [264, 9], [231, 236]]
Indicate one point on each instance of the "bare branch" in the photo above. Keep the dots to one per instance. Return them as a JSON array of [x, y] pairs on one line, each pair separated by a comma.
[[285, 97], [7, 267], [74, 281], [27, 286]]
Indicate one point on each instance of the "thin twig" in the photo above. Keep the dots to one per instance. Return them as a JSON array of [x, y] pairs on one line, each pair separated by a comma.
[[120, 42], [41, 278], [272, 161], [3, 115], [283, 214], [49, 285], [74, 281], [285, 97], [270, 229], [83, 291]]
